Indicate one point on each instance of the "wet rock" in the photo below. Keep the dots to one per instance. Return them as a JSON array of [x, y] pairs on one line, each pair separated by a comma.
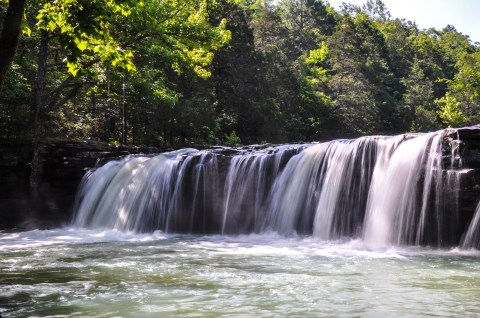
[[66, 162]]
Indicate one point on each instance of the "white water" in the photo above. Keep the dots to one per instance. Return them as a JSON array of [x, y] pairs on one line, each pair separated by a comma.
[[247, 184], [328, 230], [327, 180], [394, 214], [387, 191], [132, 194], [75, 272], [472, 237]]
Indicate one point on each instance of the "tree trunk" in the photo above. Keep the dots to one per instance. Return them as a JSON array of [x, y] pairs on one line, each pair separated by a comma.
[[10, 35], [38, 103]]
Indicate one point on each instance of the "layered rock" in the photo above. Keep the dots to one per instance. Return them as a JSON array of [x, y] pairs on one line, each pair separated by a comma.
[[65, 163]]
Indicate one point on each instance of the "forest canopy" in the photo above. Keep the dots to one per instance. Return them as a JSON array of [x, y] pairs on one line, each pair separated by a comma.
[[195, 72]]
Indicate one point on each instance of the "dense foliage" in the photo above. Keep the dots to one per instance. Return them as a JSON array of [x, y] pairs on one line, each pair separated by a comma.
[[198, 72]]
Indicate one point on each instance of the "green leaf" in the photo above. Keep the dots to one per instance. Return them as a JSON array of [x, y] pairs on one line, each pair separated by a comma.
[[51, 26], [72, 68], [81, 44], [318, 55]]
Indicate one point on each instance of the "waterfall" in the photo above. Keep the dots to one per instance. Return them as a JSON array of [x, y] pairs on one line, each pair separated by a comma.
[[131, 194], [406, 174], [321, 190], [249, 178], [472, 237], [387, 191]]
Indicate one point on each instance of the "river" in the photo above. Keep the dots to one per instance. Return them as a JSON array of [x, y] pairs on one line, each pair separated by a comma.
[[74, 272]]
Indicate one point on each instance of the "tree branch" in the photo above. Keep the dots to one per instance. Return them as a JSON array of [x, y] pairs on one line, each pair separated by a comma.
[[55, 94]]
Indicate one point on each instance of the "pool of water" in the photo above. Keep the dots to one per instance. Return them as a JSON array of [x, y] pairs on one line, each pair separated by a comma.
[[73, 272]]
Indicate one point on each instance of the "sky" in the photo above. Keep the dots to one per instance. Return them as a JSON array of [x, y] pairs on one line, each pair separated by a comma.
[[464, 15]]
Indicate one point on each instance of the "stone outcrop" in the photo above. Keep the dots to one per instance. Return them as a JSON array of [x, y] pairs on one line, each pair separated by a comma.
[[65, 163], [467, 154]]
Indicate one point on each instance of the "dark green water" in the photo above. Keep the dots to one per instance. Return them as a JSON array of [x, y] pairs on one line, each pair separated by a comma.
[[83, 273]]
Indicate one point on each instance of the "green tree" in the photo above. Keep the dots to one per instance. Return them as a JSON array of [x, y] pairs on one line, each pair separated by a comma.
[[241, 91], [376, 9], [285, 35], [149, 72], [362, 84], [174, 43], [417, 112], [449, 111], [83, 46], [463, 96], [317, 105], [398, 39], [308, 22]]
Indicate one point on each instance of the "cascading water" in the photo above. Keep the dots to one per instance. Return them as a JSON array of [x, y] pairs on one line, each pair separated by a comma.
[[321, 190], [408, 177], [472, 237], [181, 191], [305, 230], [136, 193], [385, 190], [247, 184]]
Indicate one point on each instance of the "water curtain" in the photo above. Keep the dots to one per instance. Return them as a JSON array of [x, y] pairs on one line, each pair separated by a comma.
[[386, 191]]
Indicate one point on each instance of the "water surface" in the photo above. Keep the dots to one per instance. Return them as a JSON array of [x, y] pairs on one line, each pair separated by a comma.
[[75, 272]]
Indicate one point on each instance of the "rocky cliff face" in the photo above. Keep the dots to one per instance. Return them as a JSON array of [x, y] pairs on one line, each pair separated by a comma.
[[463, 145], [65, 163]]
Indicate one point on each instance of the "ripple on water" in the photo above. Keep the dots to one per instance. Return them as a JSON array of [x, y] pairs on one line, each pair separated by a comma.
[[77, 273]]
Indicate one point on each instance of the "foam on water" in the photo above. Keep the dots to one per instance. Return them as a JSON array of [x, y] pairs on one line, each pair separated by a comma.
[[71, 235], [270, 243], [74, 272]]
